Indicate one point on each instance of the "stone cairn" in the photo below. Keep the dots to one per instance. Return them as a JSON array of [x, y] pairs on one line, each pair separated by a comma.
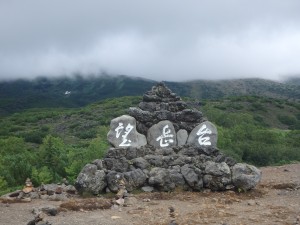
[[54, 192], [162, 144]]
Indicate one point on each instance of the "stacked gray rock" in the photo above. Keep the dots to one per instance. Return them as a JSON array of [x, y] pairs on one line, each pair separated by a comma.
[[162, 104], [164, 145]]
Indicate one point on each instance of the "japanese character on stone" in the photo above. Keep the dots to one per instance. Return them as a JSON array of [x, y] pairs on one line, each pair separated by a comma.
[[201, 132], [120, 129], [166, 137]]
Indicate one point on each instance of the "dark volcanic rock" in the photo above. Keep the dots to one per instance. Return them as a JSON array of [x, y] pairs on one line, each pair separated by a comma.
[[91, 180], [245, 176], [180, 151]]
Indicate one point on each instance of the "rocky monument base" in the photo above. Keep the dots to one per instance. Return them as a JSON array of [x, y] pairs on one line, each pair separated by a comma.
[[161, 145]]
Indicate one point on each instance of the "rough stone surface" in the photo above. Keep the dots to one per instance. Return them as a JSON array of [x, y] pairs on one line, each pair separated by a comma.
[[192, 177], [134, 179], [160, 179], [160, 103], [245, 176], [123, 133], [162, 135], [147, 189], [180, 151], [182, 136], [91, 180], [204, 135], [218, 176], [141, 163]]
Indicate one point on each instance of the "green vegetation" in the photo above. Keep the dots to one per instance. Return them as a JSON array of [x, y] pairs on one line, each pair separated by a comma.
[[77, 91], [52, 143], [267, 135]]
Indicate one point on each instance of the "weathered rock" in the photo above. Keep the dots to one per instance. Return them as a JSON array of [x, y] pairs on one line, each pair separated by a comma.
[[134, 179], [192, 178], [160, 179], [112, 178], [190, 151], [164, 151], [34, 195], [189, 115], [98, 163], [176, 177], [180, 150], [149, 106], [141, 115], [182, 136], [131, 153], [245, 176], [70, 189], [123, 133], [147, 189], [91, 180], [116, 153], [217, 169], [50, 210], [162, 135], [223, 158], [140, 163], [154, 160], [119, 165], [204, 135], [58, 197], [49, 188], [218, 176], [130, 201], [160, 93]]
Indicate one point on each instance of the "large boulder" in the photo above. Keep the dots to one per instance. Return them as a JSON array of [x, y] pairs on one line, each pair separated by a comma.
[[134, 179], [245, 176], [192, 178], [204, 135], [90, 179], [162, 135], [160, 179], [217, 176], [123, 133]]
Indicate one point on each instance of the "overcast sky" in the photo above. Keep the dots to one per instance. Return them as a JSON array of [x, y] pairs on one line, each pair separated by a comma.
[[171, 40]]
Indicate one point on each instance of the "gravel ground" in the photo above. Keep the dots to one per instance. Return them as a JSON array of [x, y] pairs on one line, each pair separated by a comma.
[[276, 200]]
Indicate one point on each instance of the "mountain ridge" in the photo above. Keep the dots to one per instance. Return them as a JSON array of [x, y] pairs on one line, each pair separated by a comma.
[[79, 91]]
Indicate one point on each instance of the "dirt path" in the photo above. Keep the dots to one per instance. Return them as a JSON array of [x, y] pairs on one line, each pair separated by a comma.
[[276, 200]]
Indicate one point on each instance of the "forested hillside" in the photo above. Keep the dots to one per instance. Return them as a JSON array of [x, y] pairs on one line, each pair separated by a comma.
[[48, 144], [78, 91]]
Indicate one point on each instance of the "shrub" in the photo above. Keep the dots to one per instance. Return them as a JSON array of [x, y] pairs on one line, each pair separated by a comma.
[[287, 120]]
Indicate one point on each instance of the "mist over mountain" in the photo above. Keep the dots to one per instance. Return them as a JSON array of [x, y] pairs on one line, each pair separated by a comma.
[[79, 91]]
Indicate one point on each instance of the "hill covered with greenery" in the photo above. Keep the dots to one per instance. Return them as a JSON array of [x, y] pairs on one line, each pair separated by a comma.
[[48, 144], [77, 91]]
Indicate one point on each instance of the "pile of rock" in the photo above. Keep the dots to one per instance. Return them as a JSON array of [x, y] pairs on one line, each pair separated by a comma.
[[55, 192], [161, 145]]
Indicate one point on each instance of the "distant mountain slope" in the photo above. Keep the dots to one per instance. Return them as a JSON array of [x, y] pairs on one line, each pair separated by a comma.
[[67, 92], [293, 80], [225, 88], [78, 91]]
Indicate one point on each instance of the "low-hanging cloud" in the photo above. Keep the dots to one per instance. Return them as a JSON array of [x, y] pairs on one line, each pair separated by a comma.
[[161, 40]]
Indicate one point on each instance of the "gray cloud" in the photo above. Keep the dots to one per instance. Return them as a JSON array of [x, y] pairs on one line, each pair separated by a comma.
[[162, 40]]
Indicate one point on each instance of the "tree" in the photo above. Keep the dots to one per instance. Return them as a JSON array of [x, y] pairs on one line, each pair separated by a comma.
[[15, 161], [53, 156]]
